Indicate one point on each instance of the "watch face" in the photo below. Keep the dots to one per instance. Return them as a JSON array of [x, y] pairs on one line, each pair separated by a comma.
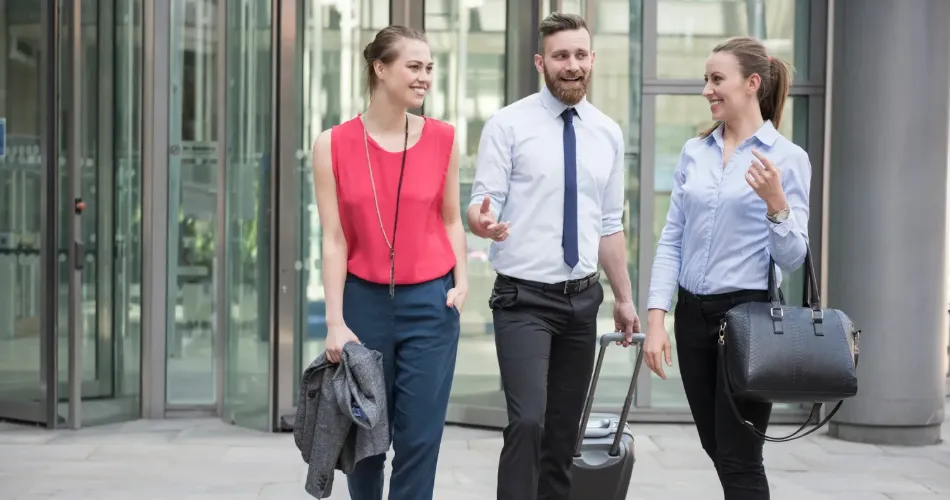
[[779, 217]]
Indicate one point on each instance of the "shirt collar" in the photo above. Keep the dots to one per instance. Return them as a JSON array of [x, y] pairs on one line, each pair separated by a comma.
[[556, 107], [766, 135]]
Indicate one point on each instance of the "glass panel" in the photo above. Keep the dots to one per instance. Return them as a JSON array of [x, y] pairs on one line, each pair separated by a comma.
[[333, 35], [96, 349], [679, 118], [192, 190], [616, 90], [127, 204], [688, 29], [248, 178], [468, 46], [89, 156], [567, 7], [21, 186], [110, 170]]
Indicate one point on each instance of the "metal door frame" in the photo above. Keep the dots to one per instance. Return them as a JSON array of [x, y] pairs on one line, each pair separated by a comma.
[[285, 238], [46, 411]]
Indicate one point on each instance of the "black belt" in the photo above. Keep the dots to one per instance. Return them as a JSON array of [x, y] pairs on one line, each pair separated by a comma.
[[565, 287]]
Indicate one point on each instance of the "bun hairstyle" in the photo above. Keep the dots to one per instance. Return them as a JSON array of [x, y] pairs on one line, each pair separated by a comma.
[[775, 73], [385, 48]]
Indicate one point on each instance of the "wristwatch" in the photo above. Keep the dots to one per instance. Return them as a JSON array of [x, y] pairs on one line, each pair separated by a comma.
[[778, 217]]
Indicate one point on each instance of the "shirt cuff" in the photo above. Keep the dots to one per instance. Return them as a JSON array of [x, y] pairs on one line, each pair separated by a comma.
[[659, 303], [784, 227], [492, 204], [609, 228]]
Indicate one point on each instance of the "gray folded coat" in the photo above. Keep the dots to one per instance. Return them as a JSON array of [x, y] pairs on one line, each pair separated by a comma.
[[341, 415]]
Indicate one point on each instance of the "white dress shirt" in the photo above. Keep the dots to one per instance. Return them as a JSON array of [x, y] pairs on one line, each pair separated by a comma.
[[520, 167]]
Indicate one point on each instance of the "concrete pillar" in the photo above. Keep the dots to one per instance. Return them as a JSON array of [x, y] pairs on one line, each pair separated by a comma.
[[888, 212]]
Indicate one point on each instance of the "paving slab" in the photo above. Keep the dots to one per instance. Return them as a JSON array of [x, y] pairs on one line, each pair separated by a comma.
[[205, 459]]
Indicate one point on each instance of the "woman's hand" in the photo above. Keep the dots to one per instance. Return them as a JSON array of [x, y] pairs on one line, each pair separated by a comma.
[[337, 337], [766, 181], [456, 296], [657, 348]]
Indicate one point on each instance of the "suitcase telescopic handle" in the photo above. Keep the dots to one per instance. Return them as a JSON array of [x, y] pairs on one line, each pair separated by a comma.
[[605, 340]]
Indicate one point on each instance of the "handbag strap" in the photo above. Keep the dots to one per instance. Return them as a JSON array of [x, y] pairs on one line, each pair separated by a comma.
[[812, 297], [724, 373]]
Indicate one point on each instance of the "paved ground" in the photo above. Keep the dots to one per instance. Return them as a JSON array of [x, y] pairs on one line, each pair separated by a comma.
[[208, 460]]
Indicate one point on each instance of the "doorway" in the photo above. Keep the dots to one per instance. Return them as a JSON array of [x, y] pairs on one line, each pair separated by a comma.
[[70, 217]]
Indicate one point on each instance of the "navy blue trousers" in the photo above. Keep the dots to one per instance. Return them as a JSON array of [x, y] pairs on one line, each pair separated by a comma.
[[417, 334]]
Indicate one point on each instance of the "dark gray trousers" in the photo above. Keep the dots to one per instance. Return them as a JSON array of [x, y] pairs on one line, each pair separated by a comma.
[[545, 341]]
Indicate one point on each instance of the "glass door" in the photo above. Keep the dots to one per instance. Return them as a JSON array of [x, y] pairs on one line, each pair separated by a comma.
[[99, 249], [70, 324], [29, 158], [248, 135], [321, 85]]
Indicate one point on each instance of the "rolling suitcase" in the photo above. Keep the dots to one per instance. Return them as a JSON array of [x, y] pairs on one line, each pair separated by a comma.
[[604, 455]]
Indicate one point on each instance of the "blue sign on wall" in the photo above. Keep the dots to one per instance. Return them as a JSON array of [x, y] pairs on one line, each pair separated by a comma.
[[3, 137]]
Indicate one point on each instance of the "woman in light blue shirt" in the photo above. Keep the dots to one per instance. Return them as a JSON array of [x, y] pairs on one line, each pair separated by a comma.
[[740, 196]]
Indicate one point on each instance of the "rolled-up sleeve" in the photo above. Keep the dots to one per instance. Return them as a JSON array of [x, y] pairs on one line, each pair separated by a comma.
[[664, 276], [788, 241], [492, 166], [612, 218]]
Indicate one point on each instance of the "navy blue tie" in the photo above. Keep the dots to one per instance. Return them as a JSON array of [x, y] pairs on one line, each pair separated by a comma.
[[569, 235]]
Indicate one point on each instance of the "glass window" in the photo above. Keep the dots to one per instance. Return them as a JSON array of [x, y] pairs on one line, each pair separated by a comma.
[[248, 213], [678, 118], [688, 29], [109, 171], [126, 208], [22, 104], [468, 45], [109, 168], [567, 7], [332, 38], [616, 83], [193, 214]]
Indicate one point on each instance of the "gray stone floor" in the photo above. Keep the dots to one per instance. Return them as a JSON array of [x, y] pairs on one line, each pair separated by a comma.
[[208, 460]]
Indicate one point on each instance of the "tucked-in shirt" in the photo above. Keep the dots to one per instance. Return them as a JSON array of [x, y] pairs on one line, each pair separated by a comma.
[[717, 238], [520, 167]]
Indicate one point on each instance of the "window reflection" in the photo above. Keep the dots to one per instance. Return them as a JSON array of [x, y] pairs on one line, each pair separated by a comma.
[[192, 190], [468, 46], [332, 36], [248, 213], [688, 29], [615, 88], [21, 188]]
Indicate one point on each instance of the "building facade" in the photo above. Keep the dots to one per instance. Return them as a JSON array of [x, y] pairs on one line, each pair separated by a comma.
[[159, 237]]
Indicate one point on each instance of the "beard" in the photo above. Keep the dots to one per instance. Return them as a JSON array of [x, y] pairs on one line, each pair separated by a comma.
[[570, 93]]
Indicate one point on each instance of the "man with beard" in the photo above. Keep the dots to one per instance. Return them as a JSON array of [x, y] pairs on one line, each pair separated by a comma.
[[548, 191]]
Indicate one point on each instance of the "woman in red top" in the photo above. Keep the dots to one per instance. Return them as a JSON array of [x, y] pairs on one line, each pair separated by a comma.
[[387, 186]]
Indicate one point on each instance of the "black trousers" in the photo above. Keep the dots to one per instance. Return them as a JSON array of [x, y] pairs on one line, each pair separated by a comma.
[[735, 451], [545, 341]]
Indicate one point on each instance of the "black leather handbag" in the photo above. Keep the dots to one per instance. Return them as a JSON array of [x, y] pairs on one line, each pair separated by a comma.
[[772, 352]]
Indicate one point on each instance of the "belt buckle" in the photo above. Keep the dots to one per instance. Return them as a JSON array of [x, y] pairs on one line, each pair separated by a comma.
[[576, 285]]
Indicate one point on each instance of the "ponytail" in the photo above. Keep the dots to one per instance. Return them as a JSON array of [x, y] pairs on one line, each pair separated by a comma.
[[775, 91]]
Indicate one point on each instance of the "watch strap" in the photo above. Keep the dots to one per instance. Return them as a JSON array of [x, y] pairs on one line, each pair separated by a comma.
[[778, 217]]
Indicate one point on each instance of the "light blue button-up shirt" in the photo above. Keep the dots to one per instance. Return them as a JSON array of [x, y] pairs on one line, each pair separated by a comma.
[[520, 167], [716, 238]]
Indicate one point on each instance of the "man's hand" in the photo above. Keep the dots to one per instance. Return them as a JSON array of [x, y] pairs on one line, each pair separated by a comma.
[[486, 223], [626, 320]]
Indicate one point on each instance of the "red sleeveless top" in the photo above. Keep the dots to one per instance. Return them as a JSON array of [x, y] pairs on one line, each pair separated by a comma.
[[422, 251]]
